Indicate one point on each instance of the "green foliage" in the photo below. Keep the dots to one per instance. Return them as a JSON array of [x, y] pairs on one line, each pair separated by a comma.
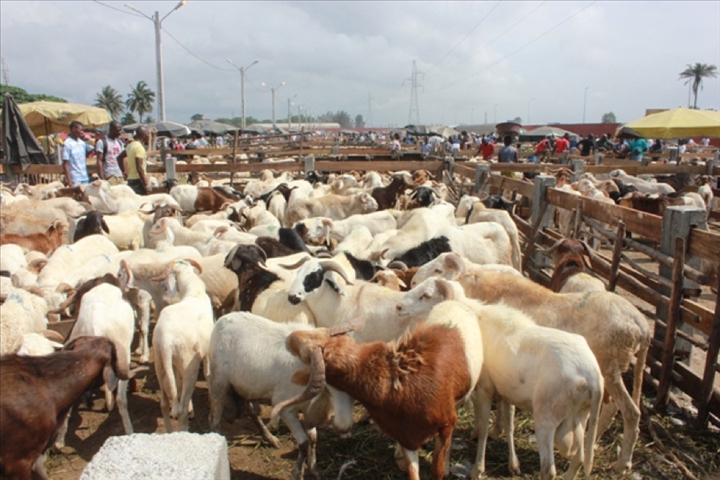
[[140, 99], [359, 121], [518, 120], [128, 119], [22, 96], [196, 117], [608, 117], [111, 100], [695, 74], [341, 117]]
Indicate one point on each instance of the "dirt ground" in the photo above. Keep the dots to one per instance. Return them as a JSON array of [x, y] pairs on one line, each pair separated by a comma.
[[251, 459]]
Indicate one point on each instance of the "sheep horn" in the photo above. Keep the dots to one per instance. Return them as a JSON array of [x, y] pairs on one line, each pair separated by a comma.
[[231, 255], [163, 227], [554, 247], [195, 264], [53, 336], [165, 274], [333, 266], [314, 386], [398, 264], [296, 264]]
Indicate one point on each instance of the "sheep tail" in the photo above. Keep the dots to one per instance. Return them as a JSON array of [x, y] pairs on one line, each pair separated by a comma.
[[591, 433], [639, 372]]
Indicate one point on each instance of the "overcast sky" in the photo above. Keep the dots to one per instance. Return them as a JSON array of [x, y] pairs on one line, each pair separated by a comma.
[[474, 59]]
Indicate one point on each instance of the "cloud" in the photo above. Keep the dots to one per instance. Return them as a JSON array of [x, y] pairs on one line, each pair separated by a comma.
[[333, 56]]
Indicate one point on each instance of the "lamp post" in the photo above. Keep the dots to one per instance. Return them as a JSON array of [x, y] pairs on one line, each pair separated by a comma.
[[157, 22], [528, 116], [585, 104], [242, 71], [273, 89]]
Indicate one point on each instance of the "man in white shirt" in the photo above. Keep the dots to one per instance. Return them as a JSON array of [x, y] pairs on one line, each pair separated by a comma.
[[74, 156], [107, 151]]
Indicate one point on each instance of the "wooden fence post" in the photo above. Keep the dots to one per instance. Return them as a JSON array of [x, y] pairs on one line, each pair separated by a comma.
[[482, 177], [170, 172], [577, 166], [677, 222], [706, 388], [309, 164], [541, 215], [668, 355], [617, 251]]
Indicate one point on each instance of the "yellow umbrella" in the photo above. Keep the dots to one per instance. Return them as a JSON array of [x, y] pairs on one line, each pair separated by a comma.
[[678, 123], [45, 118]]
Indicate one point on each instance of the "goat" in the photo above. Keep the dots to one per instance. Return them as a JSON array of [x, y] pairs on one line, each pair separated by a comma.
[[39, 391], [46, 242], [386, 197], [92, 223], [569, 276]]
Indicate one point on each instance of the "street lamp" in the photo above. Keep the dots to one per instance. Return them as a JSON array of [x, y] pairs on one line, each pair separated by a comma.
[[242, 71], [273, 100], [585, 104], [157, 22], [528, 117]]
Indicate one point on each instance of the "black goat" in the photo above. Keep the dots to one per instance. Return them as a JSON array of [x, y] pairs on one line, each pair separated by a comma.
[[425, 252], [386, 197]]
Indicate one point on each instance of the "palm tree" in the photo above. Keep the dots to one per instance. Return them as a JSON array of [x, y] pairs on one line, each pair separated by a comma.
[[111, 100], [695, 74], [128, 119], [140, 99]]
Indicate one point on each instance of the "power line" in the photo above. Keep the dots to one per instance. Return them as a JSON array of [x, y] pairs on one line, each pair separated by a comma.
[[519, 49], [465, 37], [191, 53], [118, 9]]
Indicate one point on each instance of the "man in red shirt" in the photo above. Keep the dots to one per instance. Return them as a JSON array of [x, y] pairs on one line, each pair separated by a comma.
[[562, 144], [487, 149]]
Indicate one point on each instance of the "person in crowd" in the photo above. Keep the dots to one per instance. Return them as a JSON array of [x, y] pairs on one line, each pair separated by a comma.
[[604, 144], [562, 144], [508, 153], [656, 147], [487, 149], [425, 148], [396, 145], [74, 156], [587, 145], [638, 147], [219, 141], [137, 162], [107, 151]]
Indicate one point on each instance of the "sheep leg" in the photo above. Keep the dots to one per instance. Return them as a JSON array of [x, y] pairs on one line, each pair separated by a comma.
[[545, 433], [311, 460], [254, 412], [39, 467], [109, 399], [219, 393], [506, 419], [122, 406], [187, 388], [303, 439], [164, 404], [413, 462], [607, 415], [62, 431], [143, 313], [441, 454], [576, 449], [400, 459], [482, 403], [631, 420]]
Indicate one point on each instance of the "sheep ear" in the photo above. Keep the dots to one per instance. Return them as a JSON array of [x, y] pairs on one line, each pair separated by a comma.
[[334, 286], [301, 377], [111, 380], [454, 262], [105, 226], [445, 289]]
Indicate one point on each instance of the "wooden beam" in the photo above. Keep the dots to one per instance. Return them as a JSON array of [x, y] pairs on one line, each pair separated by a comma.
[[706, 388]]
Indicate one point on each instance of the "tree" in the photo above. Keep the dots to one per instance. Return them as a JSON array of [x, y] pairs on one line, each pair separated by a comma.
[[140, 99], [111, 100], [196, 117], [128, 119], [518, 120], [608, 117], [695, 74], [359, 121], [149, 119], [22, 96]]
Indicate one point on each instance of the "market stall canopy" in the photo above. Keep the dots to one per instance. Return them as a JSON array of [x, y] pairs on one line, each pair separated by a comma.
[[625, 132], [255, 129], [169, 129], [426, 130], [542, 132], [45, 118], [678, 123], [210, 127], [19, 144]]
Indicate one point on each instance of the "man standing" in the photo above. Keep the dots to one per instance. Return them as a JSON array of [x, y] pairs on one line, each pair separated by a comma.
[[562, 144], [74, 156], [508, 153], [638, 147], [107, 151], [487, 149], [136, 158], [587, 145]]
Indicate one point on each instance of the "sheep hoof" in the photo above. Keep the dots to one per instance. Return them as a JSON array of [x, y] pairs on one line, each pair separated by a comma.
[[272, 440], [400, 459], [621, 467], [514, 470]]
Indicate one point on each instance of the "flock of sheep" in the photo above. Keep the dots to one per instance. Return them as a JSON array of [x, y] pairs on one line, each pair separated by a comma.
[[310, 294]]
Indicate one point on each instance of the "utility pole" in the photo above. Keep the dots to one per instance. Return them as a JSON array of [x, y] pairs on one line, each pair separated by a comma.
[[157, 23], [414, 108], [6, 73], [242, 71], [369, 120]]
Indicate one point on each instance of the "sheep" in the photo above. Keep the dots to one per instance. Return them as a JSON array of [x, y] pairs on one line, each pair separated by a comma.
[[46, 242], [39, 391], [22, 312], [192, 198], [478, 213], [171, 230], [387, 197], [111, 201], [409, 387], [569, 276], [322, 229], [248, 361], [333, 206], [44, 343], [105, 313], [261, 290], [12, 258], [551, 373], [389, 278], [126, 229], [91, 223], [615, 330], [642, 185], [181, 340], [705, 191]]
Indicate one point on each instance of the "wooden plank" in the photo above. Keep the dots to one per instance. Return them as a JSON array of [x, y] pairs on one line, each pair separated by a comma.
[[524, 188], [708, 381], [380, 166], [704, 244], [642, 223], [657, 169]]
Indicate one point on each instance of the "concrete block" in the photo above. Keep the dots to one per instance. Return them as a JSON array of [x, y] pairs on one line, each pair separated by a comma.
[[178, 455]]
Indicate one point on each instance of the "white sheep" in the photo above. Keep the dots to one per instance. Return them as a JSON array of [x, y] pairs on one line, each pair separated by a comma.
[[551, 373], [181, 340]]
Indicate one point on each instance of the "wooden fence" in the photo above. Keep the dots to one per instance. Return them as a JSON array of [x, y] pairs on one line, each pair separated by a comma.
[[680, 244]]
